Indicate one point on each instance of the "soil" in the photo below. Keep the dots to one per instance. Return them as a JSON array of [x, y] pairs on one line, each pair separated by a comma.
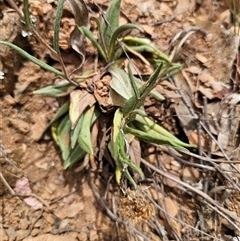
[[84, 203]]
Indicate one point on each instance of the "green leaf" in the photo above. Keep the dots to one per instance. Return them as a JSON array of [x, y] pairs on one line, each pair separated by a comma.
[[63, 136], [33, 59], [27, 17], [113, 145], [151, 136], [76, 131], [55, 91], [84, 139], [57, 26], [120, 82], [136, 102], [61, 111], [116, 34], [146, 45], [75, 155], [154, 126], [87, 33], [111, 21]]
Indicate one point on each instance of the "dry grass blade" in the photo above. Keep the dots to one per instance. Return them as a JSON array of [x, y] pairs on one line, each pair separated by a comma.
[[221, 210]]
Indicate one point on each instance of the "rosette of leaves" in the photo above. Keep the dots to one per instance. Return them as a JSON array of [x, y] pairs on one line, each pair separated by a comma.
[[75, 128]]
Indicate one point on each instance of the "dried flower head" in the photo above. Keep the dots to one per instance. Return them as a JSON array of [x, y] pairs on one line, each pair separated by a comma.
[[135, 207]]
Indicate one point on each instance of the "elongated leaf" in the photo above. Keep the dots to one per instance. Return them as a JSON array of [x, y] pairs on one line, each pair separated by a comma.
[[61, 111], [116, 34], [75, 155], [57, 26], [75, 132], [147, 122], [111, 21], [86, 32], [63, 135], [120, 82], [84, 139], [54, 132], [27, 17], [136, 102], [32, 58], [79, 101], [117, 120], [150, 136], [55, 91], [80, 13], [147, 44]]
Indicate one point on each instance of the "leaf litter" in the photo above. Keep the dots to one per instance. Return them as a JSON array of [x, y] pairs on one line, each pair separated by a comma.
[[207, 90]]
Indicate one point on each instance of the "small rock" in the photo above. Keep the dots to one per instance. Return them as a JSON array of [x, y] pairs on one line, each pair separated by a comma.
[[23, 225], [10, 100], [70, 211], [93, 235], [3, 235], [82, 236], [22, 233], [20, 125], [39, 127], [170, 206], [35, 232], [190, 175], [11, 233], [50, 219], [170, 182]]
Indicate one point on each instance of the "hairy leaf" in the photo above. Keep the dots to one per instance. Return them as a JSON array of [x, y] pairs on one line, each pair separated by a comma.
[[87, 33], [84, 139], [120, 82], [117, 33], [55, 91], [33, 59], [61, 111], [63, 136], [111, 21], [57, 26], [75, 155]]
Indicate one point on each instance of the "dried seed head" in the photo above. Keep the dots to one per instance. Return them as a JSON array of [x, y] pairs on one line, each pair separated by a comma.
[[136, 207]]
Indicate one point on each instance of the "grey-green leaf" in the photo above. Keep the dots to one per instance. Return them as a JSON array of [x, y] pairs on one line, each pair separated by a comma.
[[84, 139], [120, 82], [33, 59], [55, 91], [111, 21], [57, 26]]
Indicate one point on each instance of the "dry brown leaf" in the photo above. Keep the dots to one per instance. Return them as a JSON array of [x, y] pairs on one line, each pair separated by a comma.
[[201, 58], [79, 101], [70, 211], [79, 9]]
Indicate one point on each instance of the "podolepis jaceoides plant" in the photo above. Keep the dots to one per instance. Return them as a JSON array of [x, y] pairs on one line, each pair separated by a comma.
[[75, 125]]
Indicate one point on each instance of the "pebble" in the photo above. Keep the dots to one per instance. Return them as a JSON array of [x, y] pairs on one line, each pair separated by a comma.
[[22, 233], [20, 125], [190, 175], [10, 100], [35, 232], [82, 236], [23, 224], [170, 182], [11, 233], [50, 219]]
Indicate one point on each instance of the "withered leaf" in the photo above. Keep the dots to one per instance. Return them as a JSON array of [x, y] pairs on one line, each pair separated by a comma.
[[79, 101], [80, 12]]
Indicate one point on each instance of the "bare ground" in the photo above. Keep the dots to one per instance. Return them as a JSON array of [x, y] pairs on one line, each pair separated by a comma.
[[72, 208]]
